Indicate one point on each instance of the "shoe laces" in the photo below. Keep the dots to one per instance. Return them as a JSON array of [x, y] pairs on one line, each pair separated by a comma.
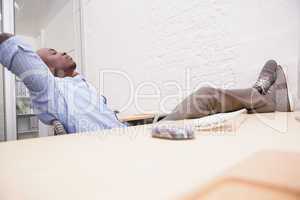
[[263, 85]]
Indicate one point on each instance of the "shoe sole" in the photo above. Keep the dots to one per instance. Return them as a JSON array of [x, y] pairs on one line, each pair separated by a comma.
[[290, 97]]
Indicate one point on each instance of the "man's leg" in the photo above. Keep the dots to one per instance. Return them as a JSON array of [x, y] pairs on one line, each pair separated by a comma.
[[207, 101]]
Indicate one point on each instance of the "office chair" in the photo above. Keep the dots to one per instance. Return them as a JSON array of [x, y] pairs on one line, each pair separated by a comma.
[[59, 129]]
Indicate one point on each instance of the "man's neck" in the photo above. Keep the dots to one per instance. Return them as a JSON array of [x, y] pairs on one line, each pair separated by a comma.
[[74, 74], [67, 74]]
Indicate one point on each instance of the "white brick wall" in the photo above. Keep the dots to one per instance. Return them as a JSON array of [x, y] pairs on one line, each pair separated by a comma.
[[224, 43]]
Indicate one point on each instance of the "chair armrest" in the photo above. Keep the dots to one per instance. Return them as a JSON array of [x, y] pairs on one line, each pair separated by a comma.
[[59, 128]]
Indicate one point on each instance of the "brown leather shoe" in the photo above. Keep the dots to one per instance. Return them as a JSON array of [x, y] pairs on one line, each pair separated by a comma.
[[279, 92], [267, 77]]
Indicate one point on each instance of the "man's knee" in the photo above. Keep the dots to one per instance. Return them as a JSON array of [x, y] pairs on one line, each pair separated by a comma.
[[201, 103], [205, 100], [206, 91]]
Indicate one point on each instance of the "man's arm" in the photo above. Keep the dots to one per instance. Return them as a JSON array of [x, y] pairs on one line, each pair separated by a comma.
[[21, 60]]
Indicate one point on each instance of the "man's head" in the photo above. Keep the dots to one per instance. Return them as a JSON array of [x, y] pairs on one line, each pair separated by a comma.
[[60, 64]]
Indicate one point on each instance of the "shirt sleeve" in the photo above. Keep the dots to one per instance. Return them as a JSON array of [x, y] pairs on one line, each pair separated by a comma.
[[21, 60]]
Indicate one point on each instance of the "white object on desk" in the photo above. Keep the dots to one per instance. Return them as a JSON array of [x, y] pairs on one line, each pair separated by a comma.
[[185, 129], [218, 120]]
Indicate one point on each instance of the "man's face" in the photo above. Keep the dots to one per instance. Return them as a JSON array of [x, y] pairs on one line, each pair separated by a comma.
[[60, 64]]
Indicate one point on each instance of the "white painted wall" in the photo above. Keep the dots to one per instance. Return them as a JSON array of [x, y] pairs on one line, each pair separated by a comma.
[[32, 41], [31, 15], [59, 33], [52, 23], [224, 43]]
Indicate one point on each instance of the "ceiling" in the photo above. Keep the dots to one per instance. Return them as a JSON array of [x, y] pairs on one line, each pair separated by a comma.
[[32, 15]]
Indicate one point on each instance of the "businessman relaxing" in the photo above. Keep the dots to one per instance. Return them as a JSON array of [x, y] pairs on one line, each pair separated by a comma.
[[59, 93]]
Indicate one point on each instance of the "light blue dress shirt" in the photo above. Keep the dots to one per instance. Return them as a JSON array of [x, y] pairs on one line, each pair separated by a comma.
[[72, 101]]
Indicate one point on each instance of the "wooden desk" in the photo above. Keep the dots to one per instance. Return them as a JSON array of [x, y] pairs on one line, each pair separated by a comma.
[[129, 164], [139, 119]]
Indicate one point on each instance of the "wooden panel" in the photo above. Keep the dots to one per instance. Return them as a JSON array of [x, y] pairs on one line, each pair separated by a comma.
[[265, 176]]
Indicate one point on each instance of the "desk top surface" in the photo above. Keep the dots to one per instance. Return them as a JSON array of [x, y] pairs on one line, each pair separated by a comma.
[[129, 164], [137, 117]]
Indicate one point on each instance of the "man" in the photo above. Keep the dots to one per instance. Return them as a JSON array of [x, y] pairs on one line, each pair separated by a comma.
[[71, 100], [60, 94]]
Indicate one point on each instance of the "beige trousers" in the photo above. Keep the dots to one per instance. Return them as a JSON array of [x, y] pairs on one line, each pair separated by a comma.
[[207, 101]]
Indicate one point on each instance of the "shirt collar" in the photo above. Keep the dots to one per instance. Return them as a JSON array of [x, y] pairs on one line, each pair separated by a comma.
[[78, 77]]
